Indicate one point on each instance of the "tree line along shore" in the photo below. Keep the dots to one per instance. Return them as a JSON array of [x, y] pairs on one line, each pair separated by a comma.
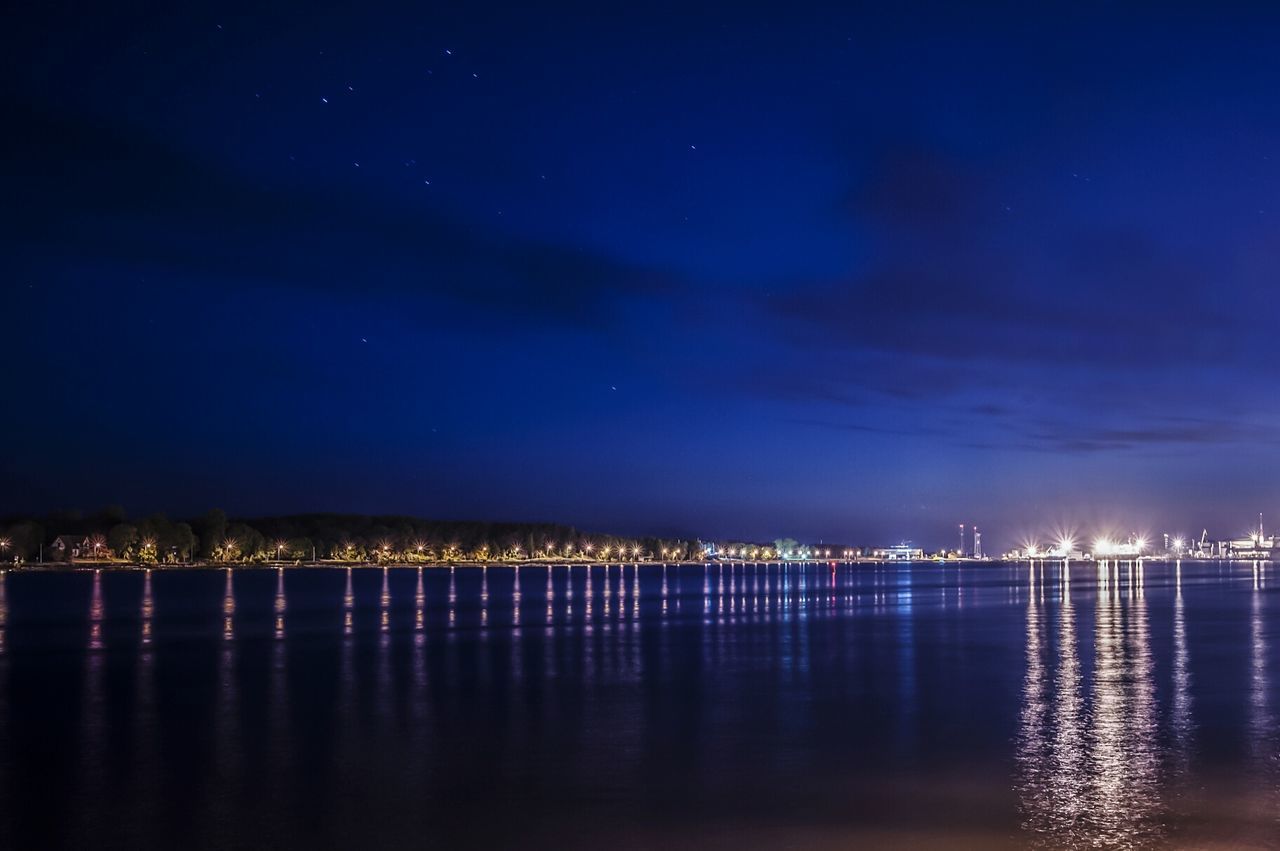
[[109, 537]]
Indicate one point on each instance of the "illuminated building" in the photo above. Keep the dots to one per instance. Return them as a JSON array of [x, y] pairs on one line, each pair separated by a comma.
[[899, 552]]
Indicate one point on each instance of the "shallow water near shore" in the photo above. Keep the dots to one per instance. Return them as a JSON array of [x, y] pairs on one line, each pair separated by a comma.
[[983, 705]]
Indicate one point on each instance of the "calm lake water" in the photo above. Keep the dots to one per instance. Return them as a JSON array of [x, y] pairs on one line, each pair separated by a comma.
[[744, 706]]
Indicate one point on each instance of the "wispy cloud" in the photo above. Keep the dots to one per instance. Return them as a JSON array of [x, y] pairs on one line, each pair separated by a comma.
[[129, 200]]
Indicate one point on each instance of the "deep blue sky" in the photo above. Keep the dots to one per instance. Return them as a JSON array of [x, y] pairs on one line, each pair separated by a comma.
[[855, 275]]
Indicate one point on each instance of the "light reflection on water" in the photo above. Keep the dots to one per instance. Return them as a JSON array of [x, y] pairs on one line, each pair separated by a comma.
[[93, 714], [229, 607], [145, 726], [4, 611], [348, 606], [1180, 719], [1265, 740], [1091, 771], [148, 609], [1118, 692], [281, 605], [419, 608]]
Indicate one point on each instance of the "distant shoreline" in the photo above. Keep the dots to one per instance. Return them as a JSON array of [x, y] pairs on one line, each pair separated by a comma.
[[322, 564], [68, 567]]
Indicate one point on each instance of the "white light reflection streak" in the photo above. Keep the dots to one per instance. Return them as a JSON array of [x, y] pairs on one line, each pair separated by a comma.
[[280, 603]]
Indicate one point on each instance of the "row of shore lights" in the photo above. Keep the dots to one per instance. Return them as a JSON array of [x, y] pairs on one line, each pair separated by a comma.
[[633, 551], [549, 550], [1101, 546], [751, 552]]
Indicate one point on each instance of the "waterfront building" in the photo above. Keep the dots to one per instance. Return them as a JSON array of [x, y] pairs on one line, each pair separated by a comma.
[[899, 552], [1254, 546], [70, 548]]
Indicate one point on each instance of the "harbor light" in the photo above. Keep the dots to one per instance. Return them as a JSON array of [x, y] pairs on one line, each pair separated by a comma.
[[1066, 546], [1107, 546]]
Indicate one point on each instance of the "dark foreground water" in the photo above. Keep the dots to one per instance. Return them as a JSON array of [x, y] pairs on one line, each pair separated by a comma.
[[740, 706]]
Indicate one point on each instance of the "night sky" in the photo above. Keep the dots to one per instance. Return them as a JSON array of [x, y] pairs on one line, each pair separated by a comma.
[[857, 275]]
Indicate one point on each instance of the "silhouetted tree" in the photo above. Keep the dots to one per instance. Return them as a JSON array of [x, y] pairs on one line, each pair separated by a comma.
[[212, 529], [122, 539]]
